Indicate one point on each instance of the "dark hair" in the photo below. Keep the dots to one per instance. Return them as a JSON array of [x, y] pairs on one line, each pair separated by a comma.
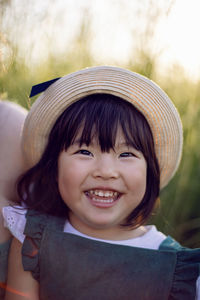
[[97, 115]]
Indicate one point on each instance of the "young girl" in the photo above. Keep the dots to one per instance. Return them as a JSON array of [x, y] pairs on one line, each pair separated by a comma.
[[100, 144], [12, 117]]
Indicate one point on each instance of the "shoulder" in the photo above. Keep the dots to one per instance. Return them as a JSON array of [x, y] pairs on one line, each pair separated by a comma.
[[187, 268], [15, 221], [20, 221], [151, 239]]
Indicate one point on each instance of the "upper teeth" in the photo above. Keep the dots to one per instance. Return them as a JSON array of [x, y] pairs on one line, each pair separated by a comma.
[[101, 193]]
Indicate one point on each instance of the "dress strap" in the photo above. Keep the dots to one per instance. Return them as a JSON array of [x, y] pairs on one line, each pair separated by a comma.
[[43, 220], [170, 244], [56, 223]]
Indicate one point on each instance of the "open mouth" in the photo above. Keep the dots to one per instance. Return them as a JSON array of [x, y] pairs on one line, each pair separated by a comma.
[[102, 197]]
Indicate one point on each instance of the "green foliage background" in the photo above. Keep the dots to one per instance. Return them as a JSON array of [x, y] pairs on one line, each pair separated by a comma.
[[179, 210]]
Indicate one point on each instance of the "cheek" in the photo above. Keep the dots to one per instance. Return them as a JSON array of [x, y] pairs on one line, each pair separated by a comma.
[[137, 180], [70, 176], [66, 178], [66, 186]]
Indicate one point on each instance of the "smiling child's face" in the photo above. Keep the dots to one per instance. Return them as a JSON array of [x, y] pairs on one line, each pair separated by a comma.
[[100, 188]]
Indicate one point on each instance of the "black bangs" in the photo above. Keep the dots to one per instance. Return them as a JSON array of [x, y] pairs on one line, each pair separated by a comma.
[[100, 116]]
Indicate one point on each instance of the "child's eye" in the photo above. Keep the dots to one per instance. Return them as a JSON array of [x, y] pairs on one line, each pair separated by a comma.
[[84, 152], [127, 154]]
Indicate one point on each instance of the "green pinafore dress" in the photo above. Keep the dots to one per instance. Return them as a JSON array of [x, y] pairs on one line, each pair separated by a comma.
[[70, 267]]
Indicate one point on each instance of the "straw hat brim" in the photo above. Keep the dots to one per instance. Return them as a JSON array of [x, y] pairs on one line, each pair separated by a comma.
[[144, 94]]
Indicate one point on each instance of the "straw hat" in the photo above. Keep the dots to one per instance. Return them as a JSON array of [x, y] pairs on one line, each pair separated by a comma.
[[144, 94]]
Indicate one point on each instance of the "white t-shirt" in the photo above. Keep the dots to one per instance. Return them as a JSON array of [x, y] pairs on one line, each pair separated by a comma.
[[15, 221]]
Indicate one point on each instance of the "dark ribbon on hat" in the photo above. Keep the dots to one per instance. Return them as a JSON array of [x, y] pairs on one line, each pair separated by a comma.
[[41, 87]]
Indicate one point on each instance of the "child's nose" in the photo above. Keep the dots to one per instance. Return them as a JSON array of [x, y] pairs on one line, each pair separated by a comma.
[[106, 167]]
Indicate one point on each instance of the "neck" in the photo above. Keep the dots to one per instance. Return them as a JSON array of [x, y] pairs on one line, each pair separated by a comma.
[[117, 233]]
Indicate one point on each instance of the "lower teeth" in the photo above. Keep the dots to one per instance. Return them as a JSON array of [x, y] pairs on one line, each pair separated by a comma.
[[102, 201]]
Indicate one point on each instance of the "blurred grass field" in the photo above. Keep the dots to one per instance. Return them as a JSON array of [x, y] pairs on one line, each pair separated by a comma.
[[179, 212]]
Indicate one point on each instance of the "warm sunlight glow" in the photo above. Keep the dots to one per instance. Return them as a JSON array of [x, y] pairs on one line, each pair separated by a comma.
[[116, 29], [179, 33]]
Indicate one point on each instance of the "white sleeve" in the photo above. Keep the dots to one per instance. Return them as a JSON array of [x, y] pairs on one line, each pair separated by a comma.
[[15, 221], [198, 289]]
